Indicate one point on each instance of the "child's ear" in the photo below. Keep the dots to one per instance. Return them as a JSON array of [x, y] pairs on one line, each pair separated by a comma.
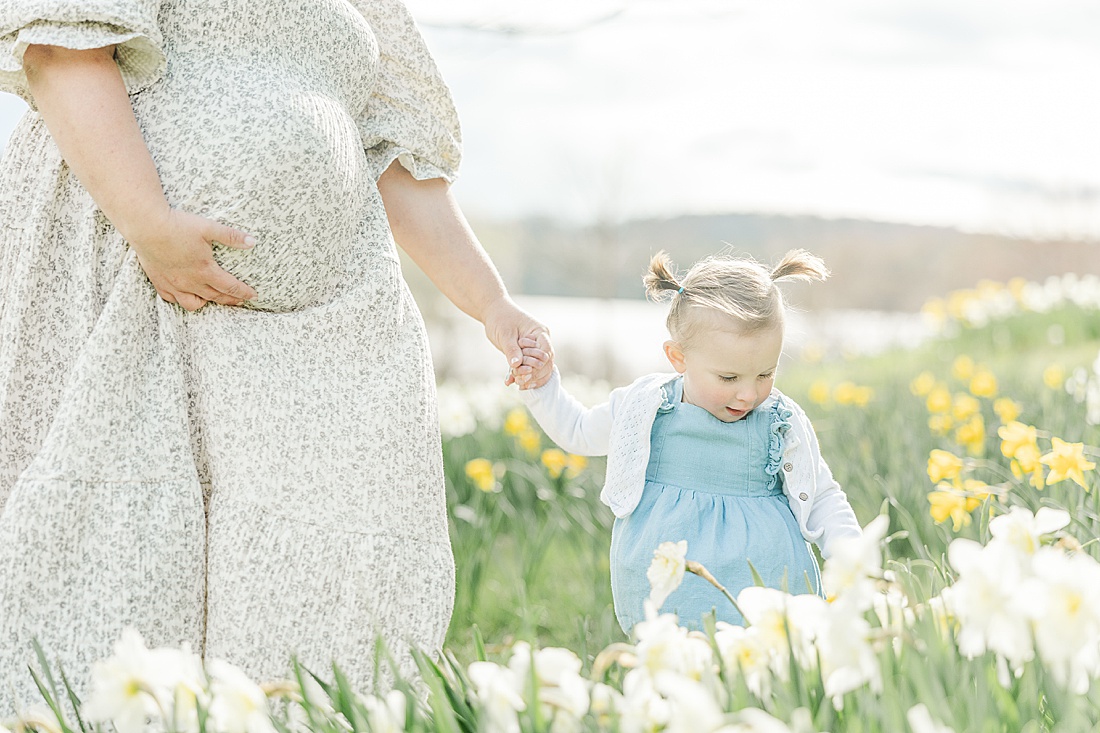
[[675, 354]]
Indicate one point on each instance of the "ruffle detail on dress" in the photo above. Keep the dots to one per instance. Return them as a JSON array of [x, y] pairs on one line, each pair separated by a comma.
[[140, 58], [422, 169], [781, 423], [668, 396]]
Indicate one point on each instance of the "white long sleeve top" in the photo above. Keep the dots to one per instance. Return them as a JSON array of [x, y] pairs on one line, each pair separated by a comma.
[[620, 429]]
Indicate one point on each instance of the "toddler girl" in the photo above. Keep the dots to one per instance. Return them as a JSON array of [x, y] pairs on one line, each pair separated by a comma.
[[712, 453]]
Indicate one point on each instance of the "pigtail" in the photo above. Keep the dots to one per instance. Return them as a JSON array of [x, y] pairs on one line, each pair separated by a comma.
[[660, 280], [798, 264]]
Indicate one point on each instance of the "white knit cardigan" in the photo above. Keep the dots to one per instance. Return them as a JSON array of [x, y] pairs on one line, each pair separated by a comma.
[[620, 429]]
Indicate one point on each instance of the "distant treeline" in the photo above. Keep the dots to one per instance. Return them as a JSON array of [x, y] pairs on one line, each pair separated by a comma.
[[875, 265]]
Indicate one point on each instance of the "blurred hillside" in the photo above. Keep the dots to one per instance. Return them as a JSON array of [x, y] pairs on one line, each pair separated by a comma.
[[877, 266]]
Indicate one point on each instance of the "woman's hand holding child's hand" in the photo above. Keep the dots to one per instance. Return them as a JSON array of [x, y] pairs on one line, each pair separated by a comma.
[[537, 365]]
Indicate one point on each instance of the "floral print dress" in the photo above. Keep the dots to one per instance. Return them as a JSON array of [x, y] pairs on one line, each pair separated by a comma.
[[255, 481]]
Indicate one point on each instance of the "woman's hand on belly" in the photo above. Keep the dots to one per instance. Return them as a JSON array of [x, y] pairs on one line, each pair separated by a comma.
[[84, 103], [177, 257]]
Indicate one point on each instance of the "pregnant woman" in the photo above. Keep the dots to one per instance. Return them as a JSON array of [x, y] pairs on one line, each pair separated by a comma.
[[217, 408]]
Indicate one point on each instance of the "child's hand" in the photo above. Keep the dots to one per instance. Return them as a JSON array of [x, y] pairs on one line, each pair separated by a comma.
[[537, 364]]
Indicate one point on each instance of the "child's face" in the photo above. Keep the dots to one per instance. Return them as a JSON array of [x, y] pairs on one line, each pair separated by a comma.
[[728, 373]]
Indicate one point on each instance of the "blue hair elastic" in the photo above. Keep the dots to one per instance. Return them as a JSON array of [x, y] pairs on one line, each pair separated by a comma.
[[680, 291]]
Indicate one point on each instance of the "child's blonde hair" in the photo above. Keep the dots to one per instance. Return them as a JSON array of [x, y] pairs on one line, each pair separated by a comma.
[[741, 288]]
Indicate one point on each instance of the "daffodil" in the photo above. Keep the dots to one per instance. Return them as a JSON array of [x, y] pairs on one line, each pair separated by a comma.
[[964, 407], [516, 422], [983, 384], [845, 393], [480, 471], [949, 504], [939, 400], [863, 396], [972, 435], [1014, 436], [666, 571], [943, 466], [819, 392], [962, 368], [1026, 463], [1054, 376], [554, 461], [529, 441], [574, 465], [1067, 460], [935, 309], [940, 424], [1007, 409], [922, 384]]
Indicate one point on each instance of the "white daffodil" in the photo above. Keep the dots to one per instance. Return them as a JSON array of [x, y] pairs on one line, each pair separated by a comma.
[[643, 710], [497, 691], [237, 704], [184, 685], [560, 685], [920, 720], [1023, 530], [851, 572], [754, 720], [744, 652], [692, 707], [666, 572], [987, 602], [848, 660], [1065, 612], [386, 715], [664, 645], [126, 687]]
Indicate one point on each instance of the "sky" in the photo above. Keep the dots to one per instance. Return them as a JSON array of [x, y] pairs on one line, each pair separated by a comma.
[[976, 114]]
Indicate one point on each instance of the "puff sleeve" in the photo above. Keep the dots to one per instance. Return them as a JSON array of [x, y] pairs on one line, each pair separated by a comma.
[[410, 116], [82, 24]]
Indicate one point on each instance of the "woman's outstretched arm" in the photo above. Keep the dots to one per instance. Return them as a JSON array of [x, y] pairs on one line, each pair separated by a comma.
[[428, 224], [83, 101]]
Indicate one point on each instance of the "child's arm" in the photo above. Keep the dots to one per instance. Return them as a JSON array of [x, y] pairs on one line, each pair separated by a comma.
[[831, 514], [570, 424]]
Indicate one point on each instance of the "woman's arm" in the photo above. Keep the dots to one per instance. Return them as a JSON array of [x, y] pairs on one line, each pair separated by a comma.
[[84, 103], [429, 226]]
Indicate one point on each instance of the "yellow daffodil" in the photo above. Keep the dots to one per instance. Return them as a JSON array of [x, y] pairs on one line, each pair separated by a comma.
[[935, 311], [951, 505], [481, 472], [1028, 465], [1054, 376], [964, 407], [574, 465], [939, 400], [922, 384], [958, 304], [1016, 286], [863, 396], [983, 384], [1067, 460], [943, 466], [988, 289], [962, 368], [529, 441], [845, 393], [976, 492], [1007, 409], [940, 425], [1014, 436], [554, 461], [972, 435], [819, 392], [516, 421]]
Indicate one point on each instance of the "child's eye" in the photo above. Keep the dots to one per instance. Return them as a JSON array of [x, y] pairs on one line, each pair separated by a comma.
[[728, 379], [769, 375]]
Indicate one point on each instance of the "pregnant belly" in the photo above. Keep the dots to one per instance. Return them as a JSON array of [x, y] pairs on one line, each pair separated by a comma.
[[288, 169]]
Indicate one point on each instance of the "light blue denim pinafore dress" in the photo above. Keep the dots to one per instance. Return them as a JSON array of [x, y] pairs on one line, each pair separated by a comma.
[[716, 485]]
